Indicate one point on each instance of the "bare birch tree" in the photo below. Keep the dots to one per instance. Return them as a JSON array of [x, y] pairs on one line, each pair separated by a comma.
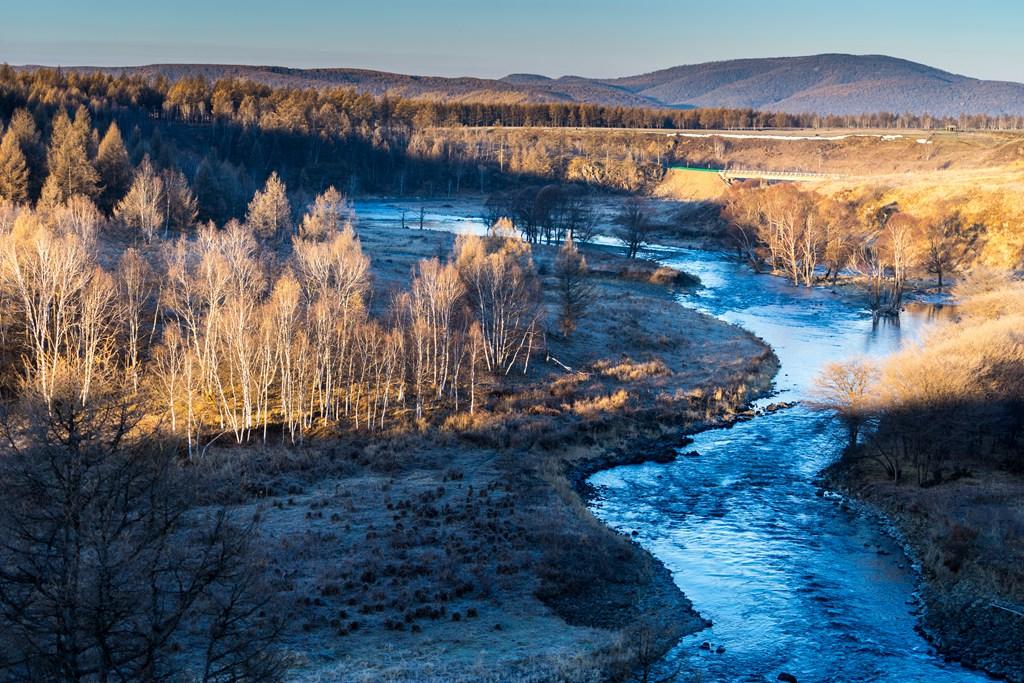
[[143, 207], [504, 295]]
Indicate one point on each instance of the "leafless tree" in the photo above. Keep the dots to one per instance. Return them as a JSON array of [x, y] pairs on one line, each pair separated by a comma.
[[634, 227], [107, 570], [845, 389], [78, 216], [504, 295], [437, 323], [143, 207], [135, 288], [947, 242], [60, 301]]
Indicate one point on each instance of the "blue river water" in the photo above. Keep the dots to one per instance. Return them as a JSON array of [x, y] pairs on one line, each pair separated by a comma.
[[793, 581]]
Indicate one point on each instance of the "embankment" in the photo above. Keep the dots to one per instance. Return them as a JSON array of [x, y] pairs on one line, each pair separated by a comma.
[[971, 563]]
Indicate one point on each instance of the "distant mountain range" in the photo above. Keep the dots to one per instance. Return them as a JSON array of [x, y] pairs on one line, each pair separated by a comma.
[[825, 84]]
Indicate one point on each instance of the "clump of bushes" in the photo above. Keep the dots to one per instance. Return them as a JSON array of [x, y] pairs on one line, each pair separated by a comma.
[[631, 371]]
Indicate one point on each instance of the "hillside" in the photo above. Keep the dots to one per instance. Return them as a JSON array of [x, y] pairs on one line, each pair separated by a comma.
[[835, 84], [529, 89], [825, 84]]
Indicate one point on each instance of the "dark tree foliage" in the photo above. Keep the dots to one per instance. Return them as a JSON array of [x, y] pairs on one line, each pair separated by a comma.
[[108, 569], [114, 167], [14, 175], [634, 227], [574, 285]]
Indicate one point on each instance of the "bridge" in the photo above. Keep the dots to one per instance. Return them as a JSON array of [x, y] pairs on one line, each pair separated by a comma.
[[729, 175]]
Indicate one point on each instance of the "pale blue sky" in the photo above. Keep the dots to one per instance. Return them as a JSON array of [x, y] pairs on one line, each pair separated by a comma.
[[553, 37]]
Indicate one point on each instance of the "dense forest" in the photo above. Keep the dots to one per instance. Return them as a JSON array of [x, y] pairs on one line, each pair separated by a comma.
[[227, 137]]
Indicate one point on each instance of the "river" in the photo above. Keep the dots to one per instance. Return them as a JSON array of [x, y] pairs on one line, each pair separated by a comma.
[[792, 580]]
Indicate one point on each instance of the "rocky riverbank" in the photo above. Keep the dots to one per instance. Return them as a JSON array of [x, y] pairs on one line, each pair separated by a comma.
[[970, 578]]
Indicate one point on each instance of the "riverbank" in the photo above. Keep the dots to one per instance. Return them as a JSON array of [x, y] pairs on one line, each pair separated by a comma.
[[462, 551], [965, 537]]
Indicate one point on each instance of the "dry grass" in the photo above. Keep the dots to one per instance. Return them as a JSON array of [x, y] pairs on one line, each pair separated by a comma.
[[610, 403], [1007, 301], [692, 186], [629, 371]]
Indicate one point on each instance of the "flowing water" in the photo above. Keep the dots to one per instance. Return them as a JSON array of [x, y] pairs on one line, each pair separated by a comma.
[[792, 581]]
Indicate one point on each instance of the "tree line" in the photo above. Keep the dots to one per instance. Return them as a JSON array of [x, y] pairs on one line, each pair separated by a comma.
[[227, 136], [809, 238], [194, 98], [583, 115]]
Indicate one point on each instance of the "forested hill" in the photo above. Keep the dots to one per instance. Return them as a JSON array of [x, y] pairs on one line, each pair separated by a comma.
[[833, 84], [379, 83], [823, 84]]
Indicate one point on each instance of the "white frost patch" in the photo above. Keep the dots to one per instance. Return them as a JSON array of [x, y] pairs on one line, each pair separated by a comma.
[[924, 141]]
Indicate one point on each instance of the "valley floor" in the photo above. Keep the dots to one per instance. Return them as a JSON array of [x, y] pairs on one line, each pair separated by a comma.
[[464, 552]]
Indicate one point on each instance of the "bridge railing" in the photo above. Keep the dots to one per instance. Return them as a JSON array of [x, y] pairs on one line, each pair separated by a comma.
[[754, 173], [780, 175]]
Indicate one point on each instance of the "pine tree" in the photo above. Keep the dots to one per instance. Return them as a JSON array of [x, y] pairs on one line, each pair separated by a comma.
[[23, 128], [577, 291], [180, 206], [327, 215], [71, 170], [114, 167], [13, 170], [210, 191], [269, 212]]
